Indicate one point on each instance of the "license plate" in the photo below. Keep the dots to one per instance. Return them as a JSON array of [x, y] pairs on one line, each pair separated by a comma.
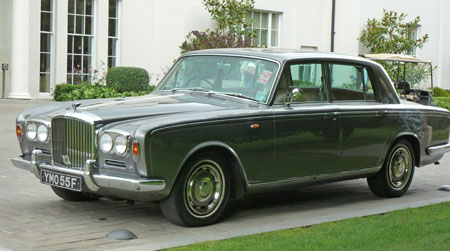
[[62, 180]]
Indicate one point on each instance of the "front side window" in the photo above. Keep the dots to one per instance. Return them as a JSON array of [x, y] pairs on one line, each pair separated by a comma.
[[307, 78], [266, 28], [350, 82], [80, 40], [249, 77], [46, 44]]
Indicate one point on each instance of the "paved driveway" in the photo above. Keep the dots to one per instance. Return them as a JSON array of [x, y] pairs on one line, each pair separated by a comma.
[[33, 218]]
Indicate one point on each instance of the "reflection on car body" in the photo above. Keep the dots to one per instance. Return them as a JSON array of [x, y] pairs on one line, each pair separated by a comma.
[[230, 122]]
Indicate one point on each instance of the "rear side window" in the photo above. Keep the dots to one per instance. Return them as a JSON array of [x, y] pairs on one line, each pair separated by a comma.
[[350, 82]]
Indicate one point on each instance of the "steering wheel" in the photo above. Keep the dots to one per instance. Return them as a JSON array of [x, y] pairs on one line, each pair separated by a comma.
[[201, 79]]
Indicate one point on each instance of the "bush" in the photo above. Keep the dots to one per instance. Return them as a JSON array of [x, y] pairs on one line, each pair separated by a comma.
[[126, 79], [69, 92], [439, 92], [443, 102]]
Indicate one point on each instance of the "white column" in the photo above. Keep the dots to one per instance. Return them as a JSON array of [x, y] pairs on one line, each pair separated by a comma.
[[20, 50]]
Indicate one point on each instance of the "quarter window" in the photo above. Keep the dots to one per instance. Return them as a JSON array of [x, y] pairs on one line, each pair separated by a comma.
[[46, 45], [349, 82], [80, 40], [266, 27]]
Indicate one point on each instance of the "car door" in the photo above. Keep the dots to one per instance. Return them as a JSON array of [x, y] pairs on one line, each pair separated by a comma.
[[306, 131], [364, 126]]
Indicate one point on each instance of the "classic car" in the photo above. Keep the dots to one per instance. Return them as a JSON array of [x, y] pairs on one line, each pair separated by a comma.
[[225, 123]]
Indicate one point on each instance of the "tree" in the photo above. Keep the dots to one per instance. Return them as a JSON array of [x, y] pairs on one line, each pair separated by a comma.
[[233, 26], [392, 34]]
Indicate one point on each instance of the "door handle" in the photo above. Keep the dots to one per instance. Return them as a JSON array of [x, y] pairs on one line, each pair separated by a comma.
[[332, 115]]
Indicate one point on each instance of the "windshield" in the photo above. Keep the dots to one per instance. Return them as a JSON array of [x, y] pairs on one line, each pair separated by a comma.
[[246, 77]]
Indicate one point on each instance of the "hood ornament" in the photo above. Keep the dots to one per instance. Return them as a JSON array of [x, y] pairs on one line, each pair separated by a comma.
[[74, 106]]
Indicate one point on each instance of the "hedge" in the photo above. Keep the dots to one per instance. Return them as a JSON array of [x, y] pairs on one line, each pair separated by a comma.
[[125, 79], [69, 92]]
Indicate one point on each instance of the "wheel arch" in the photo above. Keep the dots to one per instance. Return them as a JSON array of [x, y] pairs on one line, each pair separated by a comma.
[[415, 143], [238, 175]]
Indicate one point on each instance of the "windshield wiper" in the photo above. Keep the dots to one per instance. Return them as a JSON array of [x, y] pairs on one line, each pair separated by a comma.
[[239, 95], [195, 89]]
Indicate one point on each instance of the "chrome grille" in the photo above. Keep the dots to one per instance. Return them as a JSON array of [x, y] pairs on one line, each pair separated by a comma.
[[73, 142]]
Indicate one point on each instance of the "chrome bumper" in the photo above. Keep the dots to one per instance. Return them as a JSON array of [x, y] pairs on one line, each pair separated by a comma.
[[93, 181], [436, 150]]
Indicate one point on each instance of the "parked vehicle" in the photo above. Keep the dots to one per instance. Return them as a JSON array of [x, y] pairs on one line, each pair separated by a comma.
[[229, 122], [418, 93]]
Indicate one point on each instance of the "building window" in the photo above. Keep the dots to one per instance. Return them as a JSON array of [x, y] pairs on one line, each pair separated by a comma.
[[266, 26], [412, 33], [113, 36], [80, 40], [46, 45]]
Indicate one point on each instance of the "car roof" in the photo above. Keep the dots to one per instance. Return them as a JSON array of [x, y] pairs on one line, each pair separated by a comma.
[[281, 55]]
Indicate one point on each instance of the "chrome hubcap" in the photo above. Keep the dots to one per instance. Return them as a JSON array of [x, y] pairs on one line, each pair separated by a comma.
[[204, 189], [400, 166]]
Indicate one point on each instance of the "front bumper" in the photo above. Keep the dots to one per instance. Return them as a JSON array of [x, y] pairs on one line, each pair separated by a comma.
[[94, 182]]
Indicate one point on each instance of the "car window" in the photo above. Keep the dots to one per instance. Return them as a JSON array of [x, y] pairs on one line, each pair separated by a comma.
[[307, 77], [247, 76], [350, 82]]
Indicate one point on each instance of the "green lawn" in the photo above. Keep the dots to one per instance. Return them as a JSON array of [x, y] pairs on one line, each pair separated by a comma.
[[425, 228]]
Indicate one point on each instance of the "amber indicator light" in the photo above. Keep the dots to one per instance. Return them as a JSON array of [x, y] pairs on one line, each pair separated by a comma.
[[254, 126], [135, 148], [18, 130]]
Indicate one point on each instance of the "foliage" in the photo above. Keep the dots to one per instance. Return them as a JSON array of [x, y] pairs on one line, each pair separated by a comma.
[[424, 228], [127, 79], [392, 34], [69, 92], [230, 15], [439, 92], [443, 102], [98, 74], [197, 40], [233, 26]]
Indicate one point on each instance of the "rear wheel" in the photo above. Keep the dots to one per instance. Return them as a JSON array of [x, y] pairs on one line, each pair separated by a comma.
[[73, 195], [397, 173], [201, 192]]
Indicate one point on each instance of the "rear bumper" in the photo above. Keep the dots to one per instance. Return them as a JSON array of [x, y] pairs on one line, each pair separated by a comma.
[[438, 150], [93, 181]]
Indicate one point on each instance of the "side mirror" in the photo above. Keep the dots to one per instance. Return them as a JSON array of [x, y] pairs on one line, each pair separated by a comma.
[[296, 94]]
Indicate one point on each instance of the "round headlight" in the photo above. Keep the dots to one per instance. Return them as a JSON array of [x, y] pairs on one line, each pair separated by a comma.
[[42, 133], [31, 131], [106, 143], [120, 144]]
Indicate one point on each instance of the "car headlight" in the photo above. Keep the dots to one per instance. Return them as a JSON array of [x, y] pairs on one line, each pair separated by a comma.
[[106, 143], [120, 144], [31, 131], [42, 133]]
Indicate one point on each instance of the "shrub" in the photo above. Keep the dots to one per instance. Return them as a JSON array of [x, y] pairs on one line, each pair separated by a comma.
[[69, 92], [443, 102], [439, 92], [126, 79]]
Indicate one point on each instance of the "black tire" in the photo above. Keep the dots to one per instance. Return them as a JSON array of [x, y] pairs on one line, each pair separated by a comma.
[[394, 179], [70, 195], [201, 192]]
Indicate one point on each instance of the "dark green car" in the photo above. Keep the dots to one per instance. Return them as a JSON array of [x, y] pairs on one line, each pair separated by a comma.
[[226, 123]]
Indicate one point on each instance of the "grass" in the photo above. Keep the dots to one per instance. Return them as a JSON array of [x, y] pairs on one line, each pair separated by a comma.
[[424, 228]]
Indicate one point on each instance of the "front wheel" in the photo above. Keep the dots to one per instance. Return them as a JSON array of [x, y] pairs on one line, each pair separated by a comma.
[[397, 173], [201, 192]]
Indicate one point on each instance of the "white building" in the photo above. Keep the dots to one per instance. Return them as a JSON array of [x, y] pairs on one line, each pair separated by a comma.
[[48, 42]]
